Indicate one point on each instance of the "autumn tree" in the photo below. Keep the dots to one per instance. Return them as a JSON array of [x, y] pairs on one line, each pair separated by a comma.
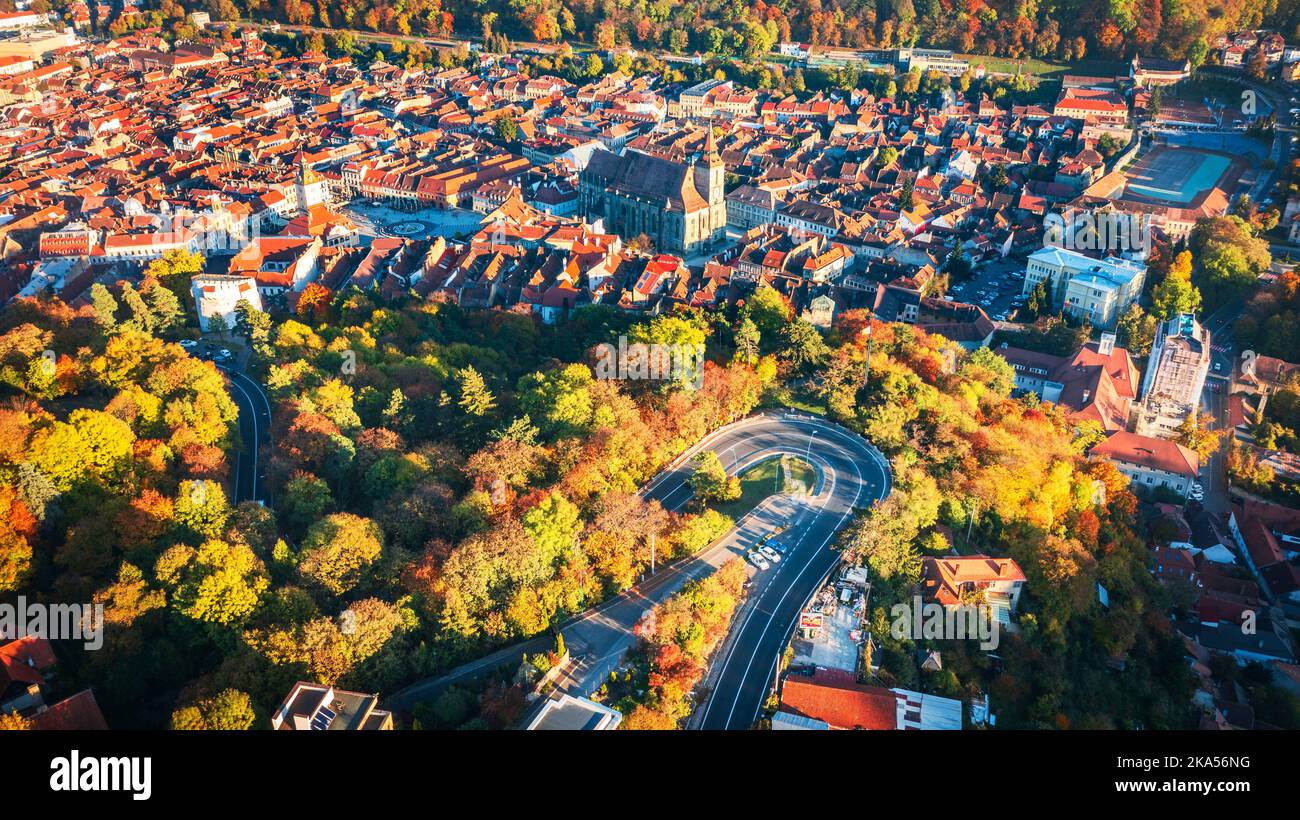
[[227, 710], [337, 550], [709, 479]]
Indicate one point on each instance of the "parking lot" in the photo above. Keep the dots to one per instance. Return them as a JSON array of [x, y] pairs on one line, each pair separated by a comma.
[[213, 349], [994, 286]]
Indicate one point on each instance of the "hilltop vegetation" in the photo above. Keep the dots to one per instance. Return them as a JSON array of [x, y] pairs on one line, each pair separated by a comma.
[[1053, 29], [447, 481]]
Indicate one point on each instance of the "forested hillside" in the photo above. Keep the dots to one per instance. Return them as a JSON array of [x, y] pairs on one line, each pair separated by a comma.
[[1062, 29], [447, 481]]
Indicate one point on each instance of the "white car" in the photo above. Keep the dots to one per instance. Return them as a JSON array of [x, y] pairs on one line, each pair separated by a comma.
[[758, 560], [189, 344], [770, 554]]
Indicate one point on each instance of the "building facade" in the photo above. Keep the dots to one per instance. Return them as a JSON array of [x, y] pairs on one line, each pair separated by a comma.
[[1151, 462], [681, 206], [1098, 290]]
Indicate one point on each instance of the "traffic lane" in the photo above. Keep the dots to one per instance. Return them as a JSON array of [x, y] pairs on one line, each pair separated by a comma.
[[601, 638], [246, 457], [753, 691], [843, 451], [746, 671], [736, 449], [255, 427], [748, 663], [750, 660]]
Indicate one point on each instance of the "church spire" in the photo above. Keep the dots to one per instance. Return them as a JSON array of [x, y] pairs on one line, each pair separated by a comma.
[[710, 143]]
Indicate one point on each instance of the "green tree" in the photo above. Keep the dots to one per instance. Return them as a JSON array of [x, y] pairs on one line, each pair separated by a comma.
[[554, 525], [1136, 331], [337, 551], [104, 305], [804, 346], [1176, 295], [228, 710], [218, 583], [506, 128], [166, 308], [709, 479], [475, 398]]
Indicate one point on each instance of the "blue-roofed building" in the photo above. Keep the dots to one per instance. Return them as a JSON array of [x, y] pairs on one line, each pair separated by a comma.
[[1098, 290]]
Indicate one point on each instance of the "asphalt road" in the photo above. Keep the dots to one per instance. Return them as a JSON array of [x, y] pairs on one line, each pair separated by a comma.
[[254, 429], [852, 475], [1214, 400]]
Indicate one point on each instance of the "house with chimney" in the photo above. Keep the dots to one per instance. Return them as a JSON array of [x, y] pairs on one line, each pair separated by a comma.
[[1150, 463], [952, 580], [1098, 383]]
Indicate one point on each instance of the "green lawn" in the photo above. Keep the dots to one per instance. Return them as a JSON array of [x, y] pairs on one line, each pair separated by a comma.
[[1047, 69], [767, 479]]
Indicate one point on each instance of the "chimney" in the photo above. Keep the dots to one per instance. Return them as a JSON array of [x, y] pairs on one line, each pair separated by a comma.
[[1107, 344], [1087, 394]]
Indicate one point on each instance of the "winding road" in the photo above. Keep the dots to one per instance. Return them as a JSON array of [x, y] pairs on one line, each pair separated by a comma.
[[852, 475], [254, 429]]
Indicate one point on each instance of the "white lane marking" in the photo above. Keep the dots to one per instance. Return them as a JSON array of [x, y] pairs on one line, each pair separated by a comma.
[[753, 655], [256, 434], [879, 459]]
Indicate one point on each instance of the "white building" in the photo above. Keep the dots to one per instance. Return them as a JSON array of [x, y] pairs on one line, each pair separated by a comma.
[[1150, 462], [1098, 290], [21, 19], [218, 294]]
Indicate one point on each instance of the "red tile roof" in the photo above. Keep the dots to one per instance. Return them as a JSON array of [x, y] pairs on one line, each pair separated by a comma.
[[22, 660], [77, 713], [1153, 453], [842, 704]]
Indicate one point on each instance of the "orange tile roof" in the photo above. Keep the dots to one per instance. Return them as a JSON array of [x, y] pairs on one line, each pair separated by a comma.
[[840, 703]]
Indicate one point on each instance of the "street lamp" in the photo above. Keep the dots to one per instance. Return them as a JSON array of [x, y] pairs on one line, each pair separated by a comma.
[[811, 436], [866, 365]]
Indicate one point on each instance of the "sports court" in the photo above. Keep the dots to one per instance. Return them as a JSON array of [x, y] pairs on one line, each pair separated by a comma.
[[1176, 176]]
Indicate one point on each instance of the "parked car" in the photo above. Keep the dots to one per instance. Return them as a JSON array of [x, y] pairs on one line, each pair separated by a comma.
[[778, 546], [758, 560], [770, 554], [189, 344]]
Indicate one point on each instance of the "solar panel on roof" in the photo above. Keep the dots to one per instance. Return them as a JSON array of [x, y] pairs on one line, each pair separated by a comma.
[[323, 719]]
